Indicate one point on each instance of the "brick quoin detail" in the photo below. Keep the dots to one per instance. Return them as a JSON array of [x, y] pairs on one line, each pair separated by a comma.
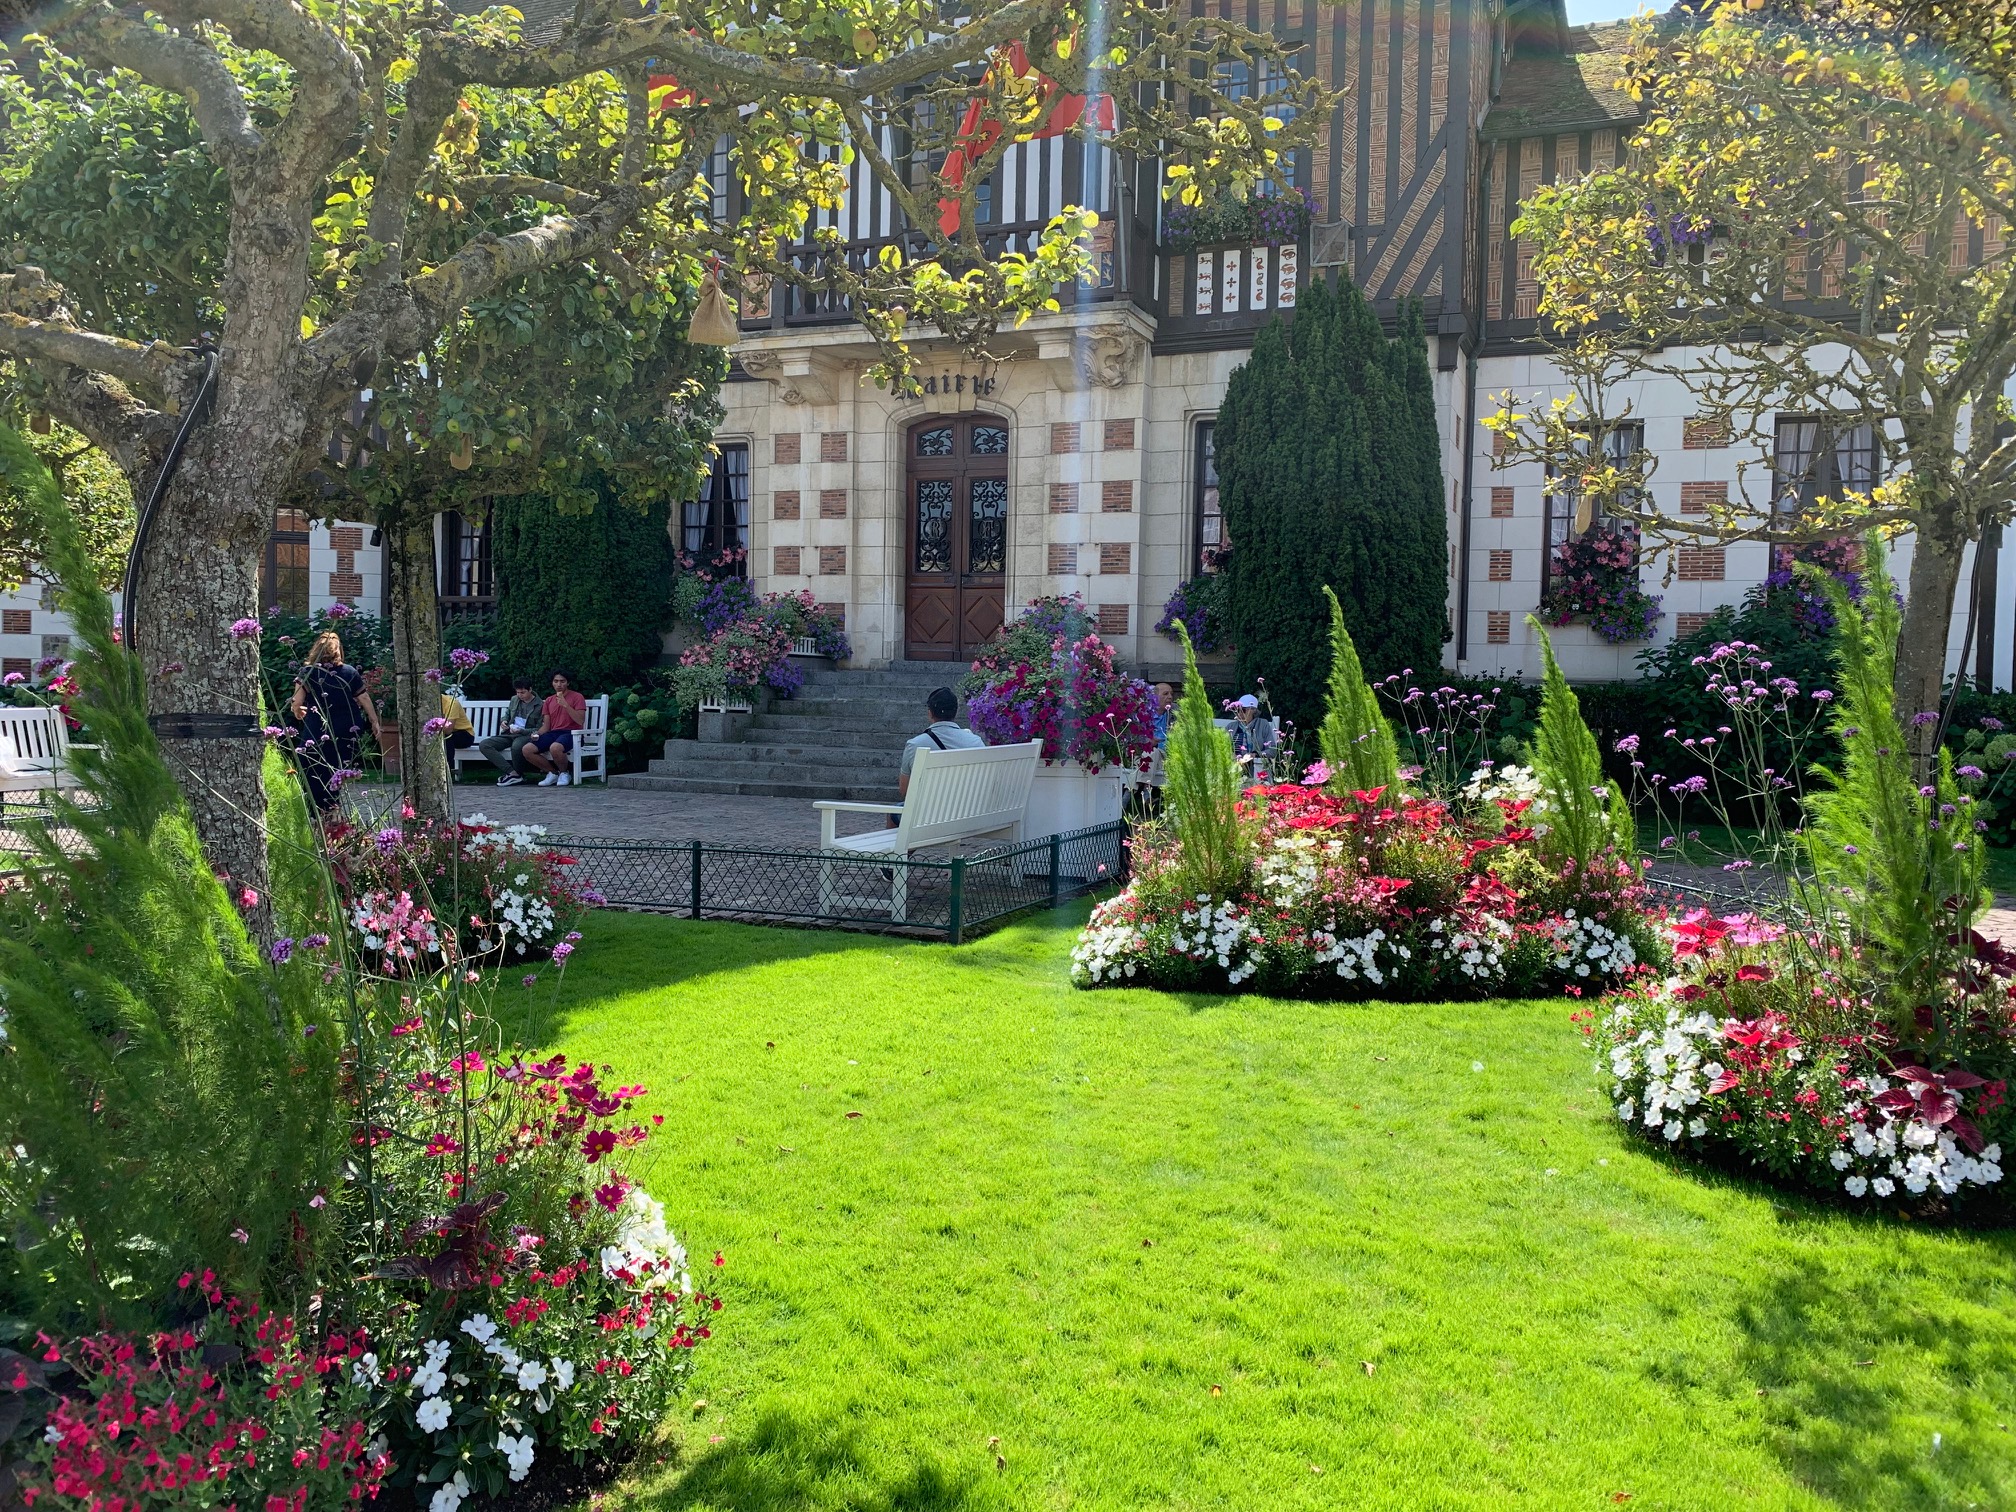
[[1687, 624], [1705, 435], [1501, 503], [1063, 561], [1696, 497], [346, 538], [785, 450], [1501, 567], [832, 503], [1063, 437], [17, 622], [833, 446], [346, 561], [1119, 435], [784, 504], [1117, 497], [1063, 498], [1498, 627], [1701, 564], [346, 585], [838, 611], [832, 560], [784, 561], [25, 665], [1498, 445], [1116, 556], [1112, 619]]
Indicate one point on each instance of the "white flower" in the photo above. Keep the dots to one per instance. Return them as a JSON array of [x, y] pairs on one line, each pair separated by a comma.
[[433, 1416], [563, 1374], [479, 1328], [52, 1434], [1856, 1185], [449, 1497], [1883, 1185], [365, 1371], [428, 1379], [531, 1376], [517, 1453], [1697, 1128], [1839, 1160]]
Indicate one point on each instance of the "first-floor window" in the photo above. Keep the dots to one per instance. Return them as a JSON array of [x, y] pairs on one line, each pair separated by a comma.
[[286, 564], [1561, 503], [1210, 534], [714, 528], [465, 555]]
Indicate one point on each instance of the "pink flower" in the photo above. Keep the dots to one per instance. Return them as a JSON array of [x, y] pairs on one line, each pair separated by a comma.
[[436, 726], [245, 629]]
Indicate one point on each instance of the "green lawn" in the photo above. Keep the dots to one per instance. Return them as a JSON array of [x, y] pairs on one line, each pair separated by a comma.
[[1177, 1252]]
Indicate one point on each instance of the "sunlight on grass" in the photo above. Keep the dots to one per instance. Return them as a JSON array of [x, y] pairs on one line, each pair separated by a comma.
[[1165, 1251]]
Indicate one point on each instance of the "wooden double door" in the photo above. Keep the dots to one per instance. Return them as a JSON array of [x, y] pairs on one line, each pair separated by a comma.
[[956, 489]]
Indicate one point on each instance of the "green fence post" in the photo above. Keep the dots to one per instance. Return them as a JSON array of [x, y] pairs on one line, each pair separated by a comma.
[[1056, 870], [952, 921], [696, 879]]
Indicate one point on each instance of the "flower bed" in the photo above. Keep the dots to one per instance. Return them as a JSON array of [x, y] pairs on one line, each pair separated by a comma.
[[1365, 895], [747, 649], [1051, 678]]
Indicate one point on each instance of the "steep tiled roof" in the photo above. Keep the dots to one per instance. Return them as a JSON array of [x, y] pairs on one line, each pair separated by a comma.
[[1564, 91]]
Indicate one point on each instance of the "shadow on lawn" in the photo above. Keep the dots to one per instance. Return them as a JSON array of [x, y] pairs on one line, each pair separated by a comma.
[[787, 1465], [1825, 1350]]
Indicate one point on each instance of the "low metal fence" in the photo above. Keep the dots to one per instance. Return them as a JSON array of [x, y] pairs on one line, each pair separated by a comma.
[[949, 897]]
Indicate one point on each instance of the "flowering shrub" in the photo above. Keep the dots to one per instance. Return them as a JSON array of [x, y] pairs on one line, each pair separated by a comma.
[[1265, 220], [1766, 1049], [508, 893], [1595, 578], [237, 1406], [1051, 678], [1365, 895], [748, 644], [1199, 606]]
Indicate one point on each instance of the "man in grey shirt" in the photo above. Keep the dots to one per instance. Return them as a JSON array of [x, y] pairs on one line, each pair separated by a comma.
[[942, 735]]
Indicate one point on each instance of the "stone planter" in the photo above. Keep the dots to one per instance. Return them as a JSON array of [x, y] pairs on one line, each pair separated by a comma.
[[1066, 797], [723, 726]]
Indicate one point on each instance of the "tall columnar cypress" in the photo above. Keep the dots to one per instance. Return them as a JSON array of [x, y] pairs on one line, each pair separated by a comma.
[[1329, 471], [585, 593]]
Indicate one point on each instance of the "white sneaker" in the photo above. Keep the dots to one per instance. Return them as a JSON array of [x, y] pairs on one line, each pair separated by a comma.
[[564, 780], [549, 779]]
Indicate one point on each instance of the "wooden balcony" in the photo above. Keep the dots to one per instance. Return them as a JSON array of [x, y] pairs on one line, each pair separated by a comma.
[[1220, 295]]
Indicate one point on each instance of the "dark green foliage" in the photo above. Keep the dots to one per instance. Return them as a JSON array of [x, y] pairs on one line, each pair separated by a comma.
[[1329, 472], [642, 718], [585, 593], [1909, 881], [1202, 791], [171, 1090], [1586, 813], [1358, 744]]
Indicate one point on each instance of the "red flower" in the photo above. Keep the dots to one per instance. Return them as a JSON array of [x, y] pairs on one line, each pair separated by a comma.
[[1753, 973]]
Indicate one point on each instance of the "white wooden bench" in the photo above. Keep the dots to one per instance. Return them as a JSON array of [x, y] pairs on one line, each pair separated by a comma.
[[591, 742], [34, 750], [953, 795]]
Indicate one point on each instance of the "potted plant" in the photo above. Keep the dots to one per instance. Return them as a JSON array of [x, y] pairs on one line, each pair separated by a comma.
[[1051, 678]]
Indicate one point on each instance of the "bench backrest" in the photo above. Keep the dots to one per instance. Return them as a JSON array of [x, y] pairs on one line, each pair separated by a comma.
[[33, 740], [958, 793], [486, 715]]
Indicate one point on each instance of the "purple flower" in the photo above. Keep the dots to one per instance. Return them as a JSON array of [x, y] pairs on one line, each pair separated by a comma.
[[531, 978], [1923, 718], [245, 629], [1628, 745], [1821, 695], [437, 726], [13, 679], [561, 952], [388, 840], [314, 941], [1991, 724], [1968, 771], [281, 951], [1694, 784], [462, 659], [432, 674], [338, 611], [274, 732], [1926, 792], [1849, 850]]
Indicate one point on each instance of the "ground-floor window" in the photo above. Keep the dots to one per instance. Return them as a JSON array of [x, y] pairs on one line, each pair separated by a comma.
[[1209, 531], [1561, 503], [466, 572], [284, 575], [714, 528]]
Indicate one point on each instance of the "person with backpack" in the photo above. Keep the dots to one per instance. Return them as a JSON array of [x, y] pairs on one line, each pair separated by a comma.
[[331, 709]]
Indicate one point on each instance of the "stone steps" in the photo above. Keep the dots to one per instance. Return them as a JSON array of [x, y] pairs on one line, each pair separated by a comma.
[[841, 738]]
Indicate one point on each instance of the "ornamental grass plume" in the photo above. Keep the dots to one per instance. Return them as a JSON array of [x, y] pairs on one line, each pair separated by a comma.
[[1902, 860], [162, 1088], [1202, 791], [1586, 812], [1358, 744]]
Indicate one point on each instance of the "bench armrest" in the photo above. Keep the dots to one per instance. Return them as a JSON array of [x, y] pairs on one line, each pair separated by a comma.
[[830, 810]]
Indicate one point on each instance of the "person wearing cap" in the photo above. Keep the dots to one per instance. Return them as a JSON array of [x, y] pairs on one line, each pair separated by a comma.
[[1252, 732]]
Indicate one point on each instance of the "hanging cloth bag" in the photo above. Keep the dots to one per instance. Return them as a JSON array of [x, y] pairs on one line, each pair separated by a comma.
[[713, 321]]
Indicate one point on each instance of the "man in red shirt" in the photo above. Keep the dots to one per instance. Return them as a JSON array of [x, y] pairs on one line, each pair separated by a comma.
[[551, 748]]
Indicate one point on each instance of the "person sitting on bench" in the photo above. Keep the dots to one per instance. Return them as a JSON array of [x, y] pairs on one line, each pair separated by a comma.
[[552, 750], [941, 734], [519, 719]]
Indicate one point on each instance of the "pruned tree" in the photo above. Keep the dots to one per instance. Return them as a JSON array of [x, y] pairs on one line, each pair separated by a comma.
[[1813, 219], [294, 103]]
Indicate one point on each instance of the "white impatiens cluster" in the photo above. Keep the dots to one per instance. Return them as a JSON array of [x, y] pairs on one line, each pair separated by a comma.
[[1210, 930], [1358, 956], [528, 839], [1289, 871], [1112, 945], [527, 915], [1475, 950], [1583, 947], [1884, 1153], [523, 1384], [1671, 1068], [645, 1248], [1491, 783]]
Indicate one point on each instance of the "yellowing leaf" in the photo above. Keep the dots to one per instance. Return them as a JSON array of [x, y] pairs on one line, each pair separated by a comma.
[[307, 328]]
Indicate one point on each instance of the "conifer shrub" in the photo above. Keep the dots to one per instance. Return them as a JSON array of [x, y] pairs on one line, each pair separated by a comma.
[[1586, 815], [1202, 790], [1358, 745], [1329, 473]]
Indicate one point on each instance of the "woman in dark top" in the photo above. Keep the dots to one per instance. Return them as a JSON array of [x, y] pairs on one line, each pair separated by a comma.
[[330, 709]]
